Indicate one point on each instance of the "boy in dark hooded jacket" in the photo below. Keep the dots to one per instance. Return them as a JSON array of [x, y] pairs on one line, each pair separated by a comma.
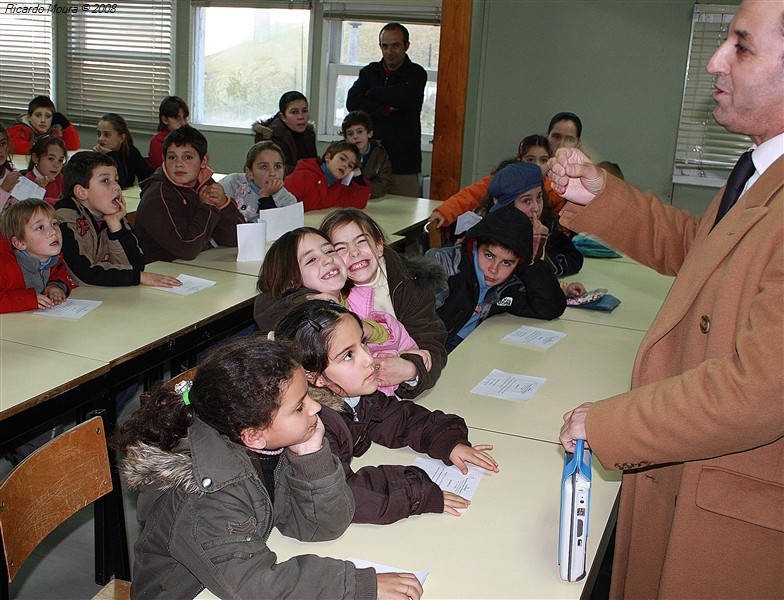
[[492, 272]]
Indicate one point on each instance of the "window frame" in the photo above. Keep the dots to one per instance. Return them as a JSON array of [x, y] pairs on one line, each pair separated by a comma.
[[705, 152], [333, 68]]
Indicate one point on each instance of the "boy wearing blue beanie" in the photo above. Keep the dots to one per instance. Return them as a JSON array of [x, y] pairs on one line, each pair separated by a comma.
[[492, 272]]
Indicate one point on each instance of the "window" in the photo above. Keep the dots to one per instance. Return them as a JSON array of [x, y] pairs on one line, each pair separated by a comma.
[[119, 61], [25, 59], [245, 59], [705, 152], [352, 28]]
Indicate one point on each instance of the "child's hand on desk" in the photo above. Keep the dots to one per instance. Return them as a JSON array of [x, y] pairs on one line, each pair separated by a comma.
[[52, 296], [476, 455], [158, 280], [575, 289], [454, 503], [398, 586], [10, 181]]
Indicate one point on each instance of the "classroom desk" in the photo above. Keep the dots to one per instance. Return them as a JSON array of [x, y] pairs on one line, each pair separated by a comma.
[[591, 363], [30, 375], [505, 545], [150, 317], [640, 289]]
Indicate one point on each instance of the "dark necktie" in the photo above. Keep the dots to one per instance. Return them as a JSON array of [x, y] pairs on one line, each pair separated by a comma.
[[743, 169]]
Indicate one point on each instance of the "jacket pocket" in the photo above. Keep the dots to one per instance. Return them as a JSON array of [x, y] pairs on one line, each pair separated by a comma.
[[742, 497]]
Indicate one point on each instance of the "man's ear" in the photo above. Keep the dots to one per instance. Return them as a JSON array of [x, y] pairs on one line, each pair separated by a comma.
[[18, 244], [80, 192], [253, 437]]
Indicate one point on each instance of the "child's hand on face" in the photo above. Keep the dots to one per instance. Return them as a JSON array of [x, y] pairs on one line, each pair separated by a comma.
[[158, 280], [313, 443], [454, 503], [398, 586], [101, 149], [476, 455], [42, 181], [272, 186], [424, 354], [10, 181], [393, 370], [575, 289], [114, 220]]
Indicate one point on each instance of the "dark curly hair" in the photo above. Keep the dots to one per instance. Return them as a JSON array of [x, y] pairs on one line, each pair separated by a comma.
[[239, 385]]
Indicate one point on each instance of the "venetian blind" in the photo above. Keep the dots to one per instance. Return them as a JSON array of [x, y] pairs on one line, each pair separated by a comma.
[[705, 151], [25, 59], [120, 62]]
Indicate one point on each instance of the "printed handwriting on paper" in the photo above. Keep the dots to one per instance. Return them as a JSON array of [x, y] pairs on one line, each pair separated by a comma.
[[190, 285], [364, 564], [450, 479], [534, 336], [508, 386], [70, 309]]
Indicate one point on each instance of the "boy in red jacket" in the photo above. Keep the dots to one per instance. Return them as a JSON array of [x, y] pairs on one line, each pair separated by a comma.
[[32, 271], [42, 119]]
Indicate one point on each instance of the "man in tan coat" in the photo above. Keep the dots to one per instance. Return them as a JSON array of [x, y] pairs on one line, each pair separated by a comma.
[[700, 436]]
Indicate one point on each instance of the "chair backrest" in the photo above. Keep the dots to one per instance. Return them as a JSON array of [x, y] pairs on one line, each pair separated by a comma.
[[50, 485]]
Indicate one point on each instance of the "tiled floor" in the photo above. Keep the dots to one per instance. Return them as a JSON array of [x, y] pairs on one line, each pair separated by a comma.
[[62, 567]]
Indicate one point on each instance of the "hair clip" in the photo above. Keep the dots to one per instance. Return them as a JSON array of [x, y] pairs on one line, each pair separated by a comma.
[[316, 326], [183, 388], [271, 335]]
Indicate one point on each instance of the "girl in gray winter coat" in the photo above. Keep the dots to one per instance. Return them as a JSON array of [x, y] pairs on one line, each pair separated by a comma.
[[218, 463]]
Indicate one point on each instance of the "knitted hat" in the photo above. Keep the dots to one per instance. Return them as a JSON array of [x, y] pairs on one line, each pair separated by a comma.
[[508, 227], [513, 180]]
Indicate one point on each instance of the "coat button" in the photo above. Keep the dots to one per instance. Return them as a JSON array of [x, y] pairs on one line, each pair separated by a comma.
[[206, 482], [705, 323]]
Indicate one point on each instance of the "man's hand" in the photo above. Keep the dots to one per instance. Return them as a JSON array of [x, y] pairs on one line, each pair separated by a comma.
[[573, 428], [574, 176]]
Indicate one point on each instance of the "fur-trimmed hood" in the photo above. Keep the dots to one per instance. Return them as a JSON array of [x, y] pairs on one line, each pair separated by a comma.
[[327, 397], [263, 130], [147, 466], [423, 272]]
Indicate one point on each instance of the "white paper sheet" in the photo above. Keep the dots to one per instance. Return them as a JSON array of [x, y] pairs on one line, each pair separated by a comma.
[[251, 241], [70, 309], [450, 479], [190, 285], [508, 386], [281, 220], [466, 221], [26, 188], [534, 336], [364, 564]]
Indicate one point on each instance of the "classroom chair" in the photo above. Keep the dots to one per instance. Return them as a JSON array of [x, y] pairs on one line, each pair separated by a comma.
[[49, 486]]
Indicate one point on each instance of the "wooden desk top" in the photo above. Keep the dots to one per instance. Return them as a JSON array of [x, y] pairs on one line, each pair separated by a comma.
[[505, 545], [30, 375], [131, 319], [590, 363], [641, 291]]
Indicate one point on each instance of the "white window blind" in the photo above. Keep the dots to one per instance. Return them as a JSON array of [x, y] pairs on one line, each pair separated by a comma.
[[25, 60], [119, 62], [402, 11], [705, 151]]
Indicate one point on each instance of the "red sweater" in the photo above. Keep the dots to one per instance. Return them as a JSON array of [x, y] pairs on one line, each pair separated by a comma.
[[309, 185], [14, 296]]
